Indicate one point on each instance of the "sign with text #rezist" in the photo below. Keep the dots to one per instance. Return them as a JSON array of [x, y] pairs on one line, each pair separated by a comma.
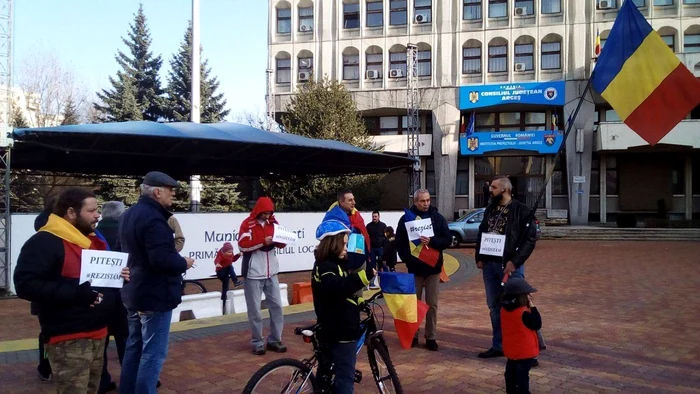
[[102, 268], [283, 236], [418, 228], [492, 244]]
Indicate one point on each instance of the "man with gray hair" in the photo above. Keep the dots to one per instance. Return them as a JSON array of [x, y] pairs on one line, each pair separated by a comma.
[[498, 252], [155, 288], [426, 267]]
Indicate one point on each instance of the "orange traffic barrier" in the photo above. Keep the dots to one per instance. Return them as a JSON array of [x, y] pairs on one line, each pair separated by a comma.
[[301, 293], [443, 275]]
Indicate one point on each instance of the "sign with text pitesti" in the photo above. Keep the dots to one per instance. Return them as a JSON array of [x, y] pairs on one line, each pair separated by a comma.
[[534, 93], [541, 141], [102, 268], [283, 236]]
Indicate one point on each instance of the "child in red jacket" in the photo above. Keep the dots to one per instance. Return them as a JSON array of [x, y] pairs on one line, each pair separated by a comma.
[[224, 268], [520, 321]]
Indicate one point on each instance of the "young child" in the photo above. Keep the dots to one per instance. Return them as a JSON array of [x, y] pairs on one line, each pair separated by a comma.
[[389, 256], [520, 321], [224, 268], [336, 305]]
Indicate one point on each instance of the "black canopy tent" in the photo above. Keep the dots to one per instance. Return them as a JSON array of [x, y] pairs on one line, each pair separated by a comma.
[[183, 149]]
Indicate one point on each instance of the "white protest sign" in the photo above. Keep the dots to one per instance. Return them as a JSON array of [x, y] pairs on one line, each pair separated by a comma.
[[283, 236], [419, 228], [492, 244], [102, 268]]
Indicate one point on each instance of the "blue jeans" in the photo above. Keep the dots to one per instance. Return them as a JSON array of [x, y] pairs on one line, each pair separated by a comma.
[[344, 356], [375, 257], [493, 276], [146, 349]]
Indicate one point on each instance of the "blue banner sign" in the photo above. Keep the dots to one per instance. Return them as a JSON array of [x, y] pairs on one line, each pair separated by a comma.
[[537, 93], [544, 142]]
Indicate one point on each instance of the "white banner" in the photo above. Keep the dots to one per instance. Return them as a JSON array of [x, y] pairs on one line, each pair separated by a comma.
[[419, 228], [205, 233], [102, 268], [284, 236]]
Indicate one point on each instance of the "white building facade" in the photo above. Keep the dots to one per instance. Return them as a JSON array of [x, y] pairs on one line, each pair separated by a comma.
[[518, 67]]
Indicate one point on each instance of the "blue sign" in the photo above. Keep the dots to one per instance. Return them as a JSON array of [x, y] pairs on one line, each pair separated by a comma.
[[544, 142], [537, 93]]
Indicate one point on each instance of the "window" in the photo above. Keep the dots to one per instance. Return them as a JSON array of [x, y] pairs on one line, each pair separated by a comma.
[[498, 8], [691, 43], [306, 63], [462, 184], [602, 43], [639, 3], [351, 16], [509, 121], [430, 176], [397, 13], [389, 125], [678, 174], [471, 10], [610, 176], [529, 6], [471, 60], [691, 1], [611, 4], [284, 20], [551, 55], [397, 61], [423, 7], [351, 67], [670, 41], [696, 173], [661, 3], [424, 63], [374, 62], [551, 6], [306, 19], [375, 14], [559, 184], [284, 70], [524, 55], [498, 58]]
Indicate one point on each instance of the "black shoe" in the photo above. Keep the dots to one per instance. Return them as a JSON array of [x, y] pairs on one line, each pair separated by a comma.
[[431, 344], [535, 363], [277, 347], [259, 351], [415, 342], [111, 386], [158, 384], [491, 353], [238, 284]]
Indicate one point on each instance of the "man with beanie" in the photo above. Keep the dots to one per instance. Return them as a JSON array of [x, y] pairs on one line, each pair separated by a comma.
[[260, 269], [426, 267]]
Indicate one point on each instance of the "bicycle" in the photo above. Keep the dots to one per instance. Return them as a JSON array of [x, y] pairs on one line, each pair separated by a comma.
[[302, 378], [192, 286]]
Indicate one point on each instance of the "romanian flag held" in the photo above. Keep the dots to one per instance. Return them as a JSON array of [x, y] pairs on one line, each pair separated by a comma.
[[642, 79], [422, 252], [399, 291], [597, 44]]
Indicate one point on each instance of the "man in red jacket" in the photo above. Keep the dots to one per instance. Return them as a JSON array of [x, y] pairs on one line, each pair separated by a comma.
[[260, 269]]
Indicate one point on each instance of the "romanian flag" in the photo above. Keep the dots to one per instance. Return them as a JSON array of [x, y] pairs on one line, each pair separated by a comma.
[[422, 252], [597, 44], [642, 79], [399, 291], [462, 126]]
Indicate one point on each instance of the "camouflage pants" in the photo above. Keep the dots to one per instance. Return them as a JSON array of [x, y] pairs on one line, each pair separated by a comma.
[[77, 365]]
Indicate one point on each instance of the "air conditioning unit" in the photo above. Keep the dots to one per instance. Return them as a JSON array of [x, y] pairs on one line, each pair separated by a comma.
[[520, 67], [305, 28], [604, 4], [373, 74], [520, 11], [420, 18], [304, 63], [304, 76], [395, 73]]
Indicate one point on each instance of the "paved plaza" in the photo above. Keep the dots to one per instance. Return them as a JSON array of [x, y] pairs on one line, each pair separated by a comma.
[[617, 316]]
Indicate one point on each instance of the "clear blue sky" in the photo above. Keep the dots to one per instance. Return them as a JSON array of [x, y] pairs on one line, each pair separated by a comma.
[[87, 35]]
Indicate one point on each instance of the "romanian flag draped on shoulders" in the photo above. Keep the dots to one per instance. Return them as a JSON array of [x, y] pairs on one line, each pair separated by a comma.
[[422, 252], [642, 79], [399, 291]]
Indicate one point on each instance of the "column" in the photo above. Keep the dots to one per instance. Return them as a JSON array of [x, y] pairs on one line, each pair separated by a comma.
[[548, 193], [472, 183], [445, 152], [602, 172], [688, 187]]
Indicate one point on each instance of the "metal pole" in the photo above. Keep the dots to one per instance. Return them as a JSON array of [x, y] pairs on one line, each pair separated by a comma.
[[413, 125], [195, 184]]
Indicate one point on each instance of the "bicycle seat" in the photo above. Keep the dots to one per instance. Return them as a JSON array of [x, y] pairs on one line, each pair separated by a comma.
[[299, 330]]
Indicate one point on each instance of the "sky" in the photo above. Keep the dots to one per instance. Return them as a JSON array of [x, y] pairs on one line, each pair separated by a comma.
[[86, 35]]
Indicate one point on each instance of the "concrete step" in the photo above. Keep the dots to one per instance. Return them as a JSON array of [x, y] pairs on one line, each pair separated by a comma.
[[618, 234]]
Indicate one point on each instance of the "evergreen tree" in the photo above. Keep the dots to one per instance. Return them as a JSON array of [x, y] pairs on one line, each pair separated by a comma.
[[17, 119], [140, 69], [179, 94], [70, 113]]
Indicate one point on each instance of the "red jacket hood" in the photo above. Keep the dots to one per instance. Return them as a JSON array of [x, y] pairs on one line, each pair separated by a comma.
[[264, 204]]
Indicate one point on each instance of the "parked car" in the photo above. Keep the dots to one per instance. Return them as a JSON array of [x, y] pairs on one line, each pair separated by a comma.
[[466, 228]]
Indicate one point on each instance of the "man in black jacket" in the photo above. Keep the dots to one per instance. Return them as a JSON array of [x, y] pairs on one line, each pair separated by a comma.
[[155, 288], [376, 229], [498, 253], [426, 276]]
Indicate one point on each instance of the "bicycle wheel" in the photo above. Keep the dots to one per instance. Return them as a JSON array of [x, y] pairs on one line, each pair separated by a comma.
[[382, 368], [286, 375], [192, 287]]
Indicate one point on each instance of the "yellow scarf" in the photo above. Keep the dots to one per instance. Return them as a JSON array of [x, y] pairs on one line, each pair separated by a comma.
[[61, 228], [354, 210]]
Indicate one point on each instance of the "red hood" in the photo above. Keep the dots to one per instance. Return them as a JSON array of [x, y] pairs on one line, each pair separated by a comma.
[[264, 204]]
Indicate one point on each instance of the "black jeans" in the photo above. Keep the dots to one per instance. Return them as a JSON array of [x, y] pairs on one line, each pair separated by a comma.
[[518, 376], [44, 366], [224, 275], [119, 328]]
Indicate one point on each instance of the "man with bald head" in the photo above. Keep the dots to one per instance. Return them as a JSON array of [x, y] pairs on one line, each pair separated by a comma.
[[498, 253]]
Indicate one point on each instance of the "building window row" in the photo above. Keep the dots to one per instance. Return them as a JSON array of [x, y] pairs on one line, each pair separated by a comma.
[[614, 4], [472, 9], [398, 13], [691, 38], [524, 55]]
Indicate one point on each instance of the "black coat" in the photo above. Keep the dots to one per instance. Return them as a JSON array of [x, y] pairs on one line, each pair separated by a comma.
[[516, 219], [376, 234], [109, 229], [155, 266], [440, 241]]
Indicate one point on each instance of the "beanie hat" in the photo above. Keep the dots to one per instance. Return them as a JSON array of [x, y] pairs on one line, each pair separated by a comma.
[[227, 247], [516, 286], [335, 222]]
